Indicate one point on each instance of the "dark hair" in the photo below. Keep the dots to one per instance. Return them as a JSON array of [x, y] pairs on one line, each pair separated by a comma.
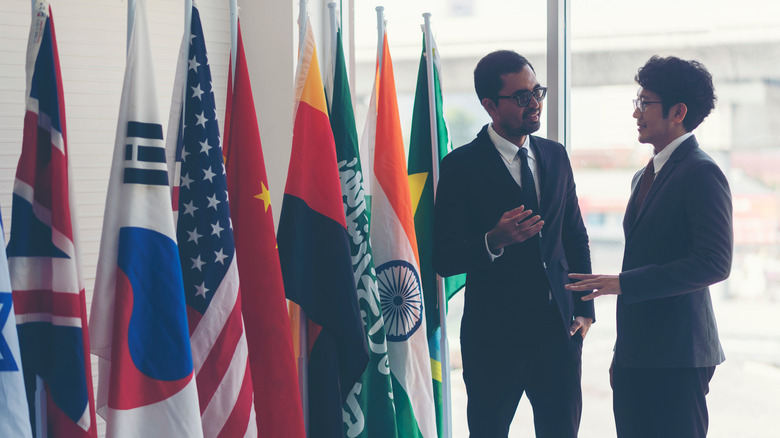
[[487, 74], [679, 81]]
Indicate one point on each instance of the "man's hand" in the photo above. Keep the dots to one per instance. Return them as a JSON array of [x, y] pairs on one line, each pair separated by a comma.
[[514, 226], [600, 284], [582, 324]]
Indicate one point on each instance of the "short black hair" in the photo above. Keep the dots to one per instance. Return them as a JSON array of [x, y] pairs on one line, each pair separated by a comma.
[[487, 74], [676, 81]]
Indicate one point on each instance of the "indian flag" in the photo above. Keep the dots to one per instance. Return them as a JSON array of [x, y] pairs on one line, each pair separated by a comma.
[[396, 258]]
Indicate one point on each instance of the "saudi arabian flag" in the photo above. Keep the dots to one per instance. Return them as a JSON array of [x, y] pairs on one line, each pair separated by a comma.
[[368, 411], [421, 185]]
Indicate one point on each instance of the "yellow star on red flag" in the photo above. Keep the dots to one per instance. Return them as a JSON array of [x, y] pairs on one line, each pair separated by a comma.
[[264, 196]]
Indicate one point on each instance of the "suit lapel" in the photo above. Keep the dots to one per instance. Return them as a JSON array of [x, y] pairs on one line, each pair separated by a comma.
[[661, 178], [497, 176]]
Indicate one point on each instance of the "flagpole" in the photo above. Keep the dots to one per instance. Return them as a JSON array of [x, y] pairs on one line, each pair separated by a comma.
[[233, 38], [302, 23], [334, 28], [303, 334], [187, 31], [39, 399], [380, 28], [130, 20], [440, 292]]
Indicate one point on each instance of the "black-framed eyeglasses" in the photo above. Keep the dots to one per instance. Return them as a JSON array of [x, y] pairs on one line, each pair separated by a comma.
[[641, 105], [524, 98]]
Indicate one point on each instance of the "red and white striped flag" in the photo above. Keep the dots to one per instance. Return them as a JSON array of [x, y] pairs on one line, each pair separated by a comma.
[[207, 251]]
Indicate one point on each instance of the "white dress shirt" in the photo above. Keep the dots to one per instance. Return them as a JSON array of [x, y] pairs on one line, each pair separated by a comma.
[[509, 155], [662, 157]]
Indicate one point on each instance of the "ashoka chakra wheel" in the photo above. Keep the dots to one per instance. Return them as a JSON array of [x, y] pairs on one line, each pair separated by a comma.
[[401, 297]]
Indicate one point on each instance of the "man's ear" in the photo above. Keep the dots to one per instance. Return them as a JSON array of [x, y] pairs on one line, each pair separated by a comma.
[[678, 112], [489, 105]]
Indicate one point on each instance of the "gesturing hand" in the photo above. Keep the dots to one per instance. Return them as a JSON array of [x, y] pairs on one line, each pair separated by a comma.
[[515, 226], [600, 284]]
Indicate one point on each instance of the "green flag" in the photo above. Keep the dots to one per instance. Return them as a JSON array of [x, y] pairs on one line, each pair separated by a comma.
[[368, 411], [421, 184]]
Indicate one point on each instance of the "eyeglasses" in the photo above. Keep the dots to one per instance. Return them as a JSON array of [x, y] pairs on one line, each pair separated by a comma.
[[641, 105], [524, 98]]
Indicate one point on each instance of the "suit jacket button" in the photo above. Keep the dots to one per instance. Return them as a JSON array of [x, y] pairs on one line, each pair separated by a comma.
[[544, 265]]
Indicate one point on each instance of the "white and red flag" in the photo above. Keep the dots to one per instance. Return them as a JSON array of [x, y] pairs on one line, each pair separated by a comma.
[[138, 319]]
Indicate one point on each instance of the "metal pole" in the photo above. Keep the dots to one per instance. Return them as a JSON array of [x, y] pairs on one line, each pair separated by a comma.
[[303, 360], [334, 28], [380, 28], [130, 20], [440, 288], [233, 38], [303, 21], [351, 49]]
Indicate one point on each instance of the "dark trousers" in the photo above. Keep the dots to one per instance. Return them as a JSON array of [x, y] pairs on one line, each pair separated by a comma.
[[547, 370], [661, 402]]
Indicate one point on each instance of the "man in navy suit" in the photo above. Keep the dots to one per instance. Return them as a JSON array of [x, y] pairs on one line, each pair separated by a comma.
[[678, 232], [507, 215]]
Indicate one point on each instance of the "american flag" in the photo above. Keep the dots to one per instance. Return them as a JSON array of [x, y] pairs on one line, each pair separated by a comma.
[[48, 290], [207, 252]]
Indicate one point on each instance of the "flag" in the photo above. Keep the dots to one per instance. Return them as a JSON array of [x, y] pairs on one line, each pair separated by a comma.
[[397, 261], [423, 166], [43, 256], [271, 357], [13, 400], [146, 383], [369, 410], [207, 253], [315, 255]]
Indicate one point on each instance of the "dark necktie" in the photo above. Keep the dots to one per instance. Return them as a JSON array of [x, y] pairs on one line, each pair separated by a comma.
[[530, 201], [644, 184]]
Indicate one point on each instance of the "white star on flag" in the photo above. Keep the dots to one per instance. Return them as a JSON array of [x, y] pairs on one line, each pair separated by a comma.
[[190, 208], [220, 256], [194, 64], [213, 201], [204, 146], [216, 229], [194, 236], [197, 263], [208, 175], [196, 91], [201, 119], [186, 181], [201, 290]]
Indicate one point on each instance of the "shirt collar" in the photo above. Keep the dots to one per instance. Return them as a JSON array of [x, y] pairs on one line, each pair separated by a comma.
[[506, 148], [662, 157]]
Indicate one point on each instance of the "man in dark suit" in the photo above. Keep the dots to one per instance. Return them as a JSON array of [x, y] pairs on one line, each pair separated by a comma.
[[507, 215], [678, 235]]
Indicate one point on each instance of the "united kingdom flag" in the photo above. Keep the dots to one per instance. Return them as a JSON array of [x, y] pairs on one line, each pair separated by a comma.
[[48, 291], [207, 252]]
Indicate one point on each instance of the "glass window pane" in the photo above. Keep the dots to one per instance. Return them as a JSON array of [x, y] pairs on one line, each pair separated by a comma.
[[739, 46]]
